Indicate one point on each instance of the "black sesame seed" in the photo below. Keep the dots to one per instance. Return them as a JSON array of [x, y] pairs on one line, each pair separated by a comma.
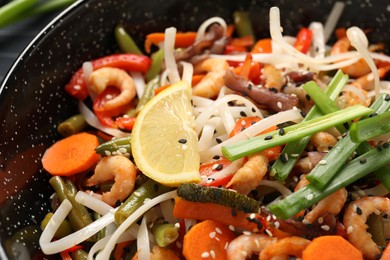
[[387, 97], [231, 103], [243, 128], [215, 131], [216, 157], [219, 167], [155, 187], [243, 114], [253, 110], [300, 218], [330, 147], [244, 94], [268, 137], [379, 147], [246, 209], [303, 114], [283, 157], [372, 114], [182, 141], [281, 131], [218, 140], [234, 213], [385, 215], [344, 134], [273, 90], [308, 98], [253, 122], [346, 125], [117, 203], [363, 160], [359, 211], [249, 87]]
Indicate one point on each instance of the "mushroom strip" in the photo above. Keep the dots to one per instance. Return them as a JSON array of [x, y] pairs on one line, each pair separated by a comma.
[[261, 95]]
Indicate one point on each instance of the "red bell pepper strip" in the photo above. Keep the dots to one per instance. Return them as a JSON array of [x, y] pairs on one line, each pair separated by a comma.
[[125, 122], [209, 168], [303, 40], [77, 86], [182, 40]]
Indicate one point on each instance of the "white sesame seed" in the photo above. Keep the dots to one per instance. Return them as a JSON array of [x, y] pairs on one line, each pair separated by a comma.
[[273, 217], [219, 231], [177, 225], [108, 153], [212, 253], [294, 155], [295, 178], [295, 108], [232, 228], [226, 245], [184, 146], [216, 238], [306, 222], [269, 232], [252, 216], [210, 180], [361, 193], [109, 96], [243, 122], [322, 162], [205, 254], [279, 104], [137, 194], [325, 227], [310, 196], [122, 150], [293, 95], [212, 234], [268, 218], [255, 230], [215, 165], [77, 87], [277, 224], [257, 243], [349, 229], [247, 233], [320, 220], [146, 200]]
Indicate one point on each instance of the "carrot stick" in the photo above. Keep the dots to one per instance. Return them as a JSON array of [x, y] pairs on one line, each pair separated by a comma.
[[331, 247], [207, 239], [216, 212], [71, 155], [182, 40]]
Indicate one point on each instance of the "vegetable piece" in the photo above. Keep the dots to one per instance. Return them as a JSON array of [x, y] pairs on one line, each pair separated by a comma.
[[155, 68], [64, 229], [71, 155], [242, 24], [294, 132], [165, 234], [182, 40], [375, 228], [207, 237], [77, 86], [65, 255], [217, 212], [72, 125], [331, 247], [228, 198], [245, 41], [119, 251], [148, 94], [304, 39], [371, 127], [149, 190], [118, 144], [13, 9], [386, 252], [262, 46], [352, 171], [125, 122], [79, 255], [78, 215], [125, 41], [282, 168]]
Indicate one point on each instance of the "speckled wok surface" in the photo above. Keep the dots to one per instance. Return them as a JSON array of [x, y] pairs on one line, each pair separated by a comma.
[[33, 102]]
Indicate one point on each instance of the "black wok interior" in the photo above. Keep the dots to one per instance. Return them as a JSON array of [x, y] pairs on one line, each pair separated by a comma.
[[33, 100]]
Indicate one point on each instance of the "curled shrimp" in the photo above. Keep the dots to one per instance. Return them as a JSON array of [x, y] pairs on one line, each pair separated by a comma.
[[332, 203], [273, 77], [118, 168], [358, 68], [355, 218], [366, 82], [101, 78], [285, 247], [323, 141], [212, 83], [244, 246], [250, 174]]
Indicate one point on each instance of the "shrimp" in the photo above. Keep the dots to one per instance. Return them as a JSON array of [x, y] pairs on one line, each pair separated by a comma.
[[273, 77], [115, 167], [285, 247], [246, 245], [100, 79], [323, 141], [355, 70], [355, 218], [160, 253], [366, 82], [212, 83], [250, 174], [333, 203]]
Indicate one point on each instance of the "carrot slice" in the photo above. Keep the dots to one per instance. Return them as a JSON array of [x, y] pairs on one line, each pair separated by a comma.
[[71, 155], [331, 247], [207, 239]]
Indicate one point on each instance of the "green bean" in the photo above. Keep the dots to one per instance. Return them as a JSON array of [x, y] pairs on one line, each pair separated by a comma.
[[79, 255], [64, 229], [243, 24], [155, 68], [165, 234], [78, 216], [148, 93], [72, 125], [125, 42], [121, 145], [146, 191], [375, 228]]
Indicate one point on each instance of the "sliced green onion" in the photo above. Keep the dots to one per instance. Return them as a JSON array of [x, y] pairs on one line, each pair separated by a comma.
[[371, 127], [282, 168], [292, 133], [351, 172]]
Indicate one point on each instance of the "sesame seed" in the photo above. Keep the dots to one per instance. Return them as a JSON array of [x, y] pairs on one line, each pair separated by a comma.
[[295, 108], [249, 87], [243, 122], [215, 165], [379, 148], [218, 140], [137, 194], [310, 196], [269, 233], [281, 131], [268, 218], [268, 137], [257, 243], [252, 216], [212, 253], [279, 104], [205, 254], [320, 220], [182, 141], [216, 157], [349, 229], [108, 153], [306, 222], [247, 233], [295, 178], [322, 162], [232, 228], [212, 234], [109, 96], [77, 87], [294, 155], [385, 145], [308, 98], [387, 97], [242, 113], [219, 167], [253, 110], [325, 227], [283, 157], [373, 114], [219, 231], [277, 224], [177, 225], [226, 245], [234, 212], [210, 180]]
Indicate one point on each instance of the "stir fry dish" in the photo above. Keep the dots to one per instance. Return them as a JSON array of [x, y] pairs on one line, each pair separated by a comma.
[[215, 144]]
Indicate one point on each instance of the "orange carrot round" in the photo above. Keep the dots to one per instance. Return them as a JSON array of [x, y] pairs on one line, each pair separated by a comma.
[[207, 239], [331, 247], [71, 155]]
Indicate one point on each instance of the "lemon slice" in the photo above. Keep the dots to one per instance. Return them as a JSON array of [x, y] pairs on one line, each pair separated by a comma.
[[164, 143]]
